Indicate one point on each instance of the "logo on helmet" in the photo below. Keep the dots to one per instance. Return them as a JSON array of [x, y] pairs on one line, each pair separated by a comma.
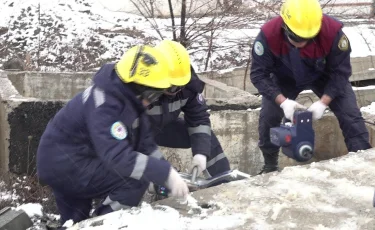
[[147, 60]]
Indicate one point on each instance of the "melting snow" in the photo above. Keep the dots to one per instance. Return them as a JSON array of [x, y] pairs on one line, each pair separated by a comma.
[[159, 217], [369, 109], [31, 209], [335, 194]]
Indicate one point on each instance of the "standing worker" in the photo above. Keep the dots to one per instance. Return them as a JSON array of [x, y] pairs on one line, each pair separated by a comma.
[[100, 144], [304, 49]]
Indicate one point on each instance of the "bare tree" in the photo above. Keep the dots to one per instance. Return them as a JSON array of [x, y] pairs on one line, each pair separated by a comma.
[[202, 22]]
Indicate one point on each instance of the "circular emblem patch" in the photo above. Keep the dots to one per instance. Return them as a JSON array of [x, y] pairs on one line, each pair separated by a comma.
[[259, 49], [343, 43], [118, 130], [200, 99]]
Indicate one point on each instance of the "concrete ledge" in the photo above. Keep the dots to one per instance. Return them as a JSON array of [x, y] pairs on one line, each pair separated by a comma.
[[363, 68], [364, 95], [12, 219], [237, 131], [220, 96], [47, 86], [234, 120], [333, 194]]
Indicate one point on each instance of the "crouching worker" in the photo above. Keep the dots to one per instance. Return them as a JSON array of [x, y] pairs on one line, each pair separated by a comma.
[[194, 129], [100, 145]]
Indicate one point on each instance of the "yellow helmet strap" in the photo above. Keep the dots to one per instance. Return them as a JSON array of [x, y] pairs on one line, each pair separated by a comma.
[[294, 37], [147, 60]]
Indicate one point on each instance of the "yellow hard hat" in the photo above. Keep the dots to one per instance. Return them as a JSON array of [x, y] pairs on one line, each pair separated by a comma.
[[144, 65], [303, 17], [179, 61]]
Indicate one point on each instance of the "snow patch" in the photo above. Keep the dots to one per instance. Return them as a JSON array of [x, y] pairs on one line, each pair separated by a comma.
[[369, 109], [159, 217], [31, 209]]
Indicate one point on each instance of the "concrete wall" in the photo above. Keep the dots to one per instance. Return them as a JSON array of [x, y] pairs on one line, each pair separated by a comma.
[[238, 133], [50, 85], [363, 69], [24, 117]]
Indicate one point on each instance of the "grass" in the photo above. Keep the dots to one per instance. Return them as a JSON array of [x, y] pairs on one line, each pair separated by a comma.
[[26, 189]]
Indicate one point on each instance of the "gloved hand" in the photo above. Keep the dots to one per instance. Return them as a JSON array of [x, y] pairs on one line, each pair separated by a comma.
[[317, 109], [289, 106], [176, 185], [200, 161]]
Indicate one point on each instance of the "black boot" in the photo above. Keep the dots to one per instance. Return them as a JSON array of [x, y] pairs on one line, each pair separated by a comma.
[[268, 169], [271, 161]]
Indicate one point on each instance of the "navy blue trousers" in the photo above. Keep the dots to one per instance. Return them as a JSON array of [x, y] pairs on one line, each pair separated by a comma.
[[175, 135], [74, 201], [344, 107]]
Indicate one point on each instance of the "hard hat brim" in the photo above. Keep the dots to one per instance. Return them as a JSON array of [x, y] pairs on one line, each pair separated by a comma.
[[306, 34], [180, 81]]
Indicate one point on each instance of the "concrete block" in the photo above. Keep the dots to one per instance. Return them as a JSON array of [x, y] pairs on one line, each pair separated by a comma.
[[24, 118], [296, 198], [47, 86], [14, 220], [26, 121], [29, 101], [362, 68]]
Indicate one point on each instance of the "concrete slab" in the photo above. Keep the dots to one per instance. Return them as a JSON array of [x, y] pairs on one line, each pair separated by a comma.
[[14, 220], [234, 120], [364, 95], [363, 69], [333, 194]]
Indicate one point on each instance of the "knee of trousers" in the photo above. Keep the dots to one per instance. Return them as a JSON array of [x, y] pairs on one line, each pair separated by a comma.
[[127, 195]]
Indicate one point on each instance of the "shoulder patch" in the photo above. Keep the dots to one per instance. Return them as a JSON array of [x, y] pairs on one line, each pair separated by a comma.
[[200, 99], [258, 48], [118, 130], [343, 43]]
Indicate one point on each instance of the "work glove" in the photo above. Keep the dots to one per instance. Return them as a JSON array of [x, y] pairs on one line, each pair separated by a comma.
[[200, 161], [317, 109], [289, 106], [177, 186]]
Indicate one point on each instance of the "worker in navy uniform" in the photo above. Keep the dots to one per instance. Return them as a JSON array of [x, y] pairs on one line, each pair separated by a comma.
[[194, 129], [304, 49], [100, 144]]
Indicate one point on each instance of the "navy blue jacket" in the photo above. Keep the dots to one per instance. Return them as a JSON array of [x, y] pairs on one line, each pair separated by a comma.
[[86, 135], [276, 62], [191, 102]]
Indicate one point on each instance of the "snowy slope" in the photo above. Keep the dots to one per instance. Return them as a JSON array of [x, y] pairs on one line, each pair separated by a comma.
[[334, 194], [76, 35]]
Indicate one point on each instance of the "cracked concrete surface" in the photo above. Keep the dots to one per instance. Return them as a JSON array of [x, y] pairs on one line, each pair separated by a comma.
[[333, 194]]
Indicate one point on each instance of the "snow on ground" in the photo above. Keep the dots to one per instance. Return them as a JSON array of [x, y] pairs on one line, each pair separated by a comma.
[[6, 195], [369, 109], [160, 217], [31, 209], [79, 35], [334, 194]]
